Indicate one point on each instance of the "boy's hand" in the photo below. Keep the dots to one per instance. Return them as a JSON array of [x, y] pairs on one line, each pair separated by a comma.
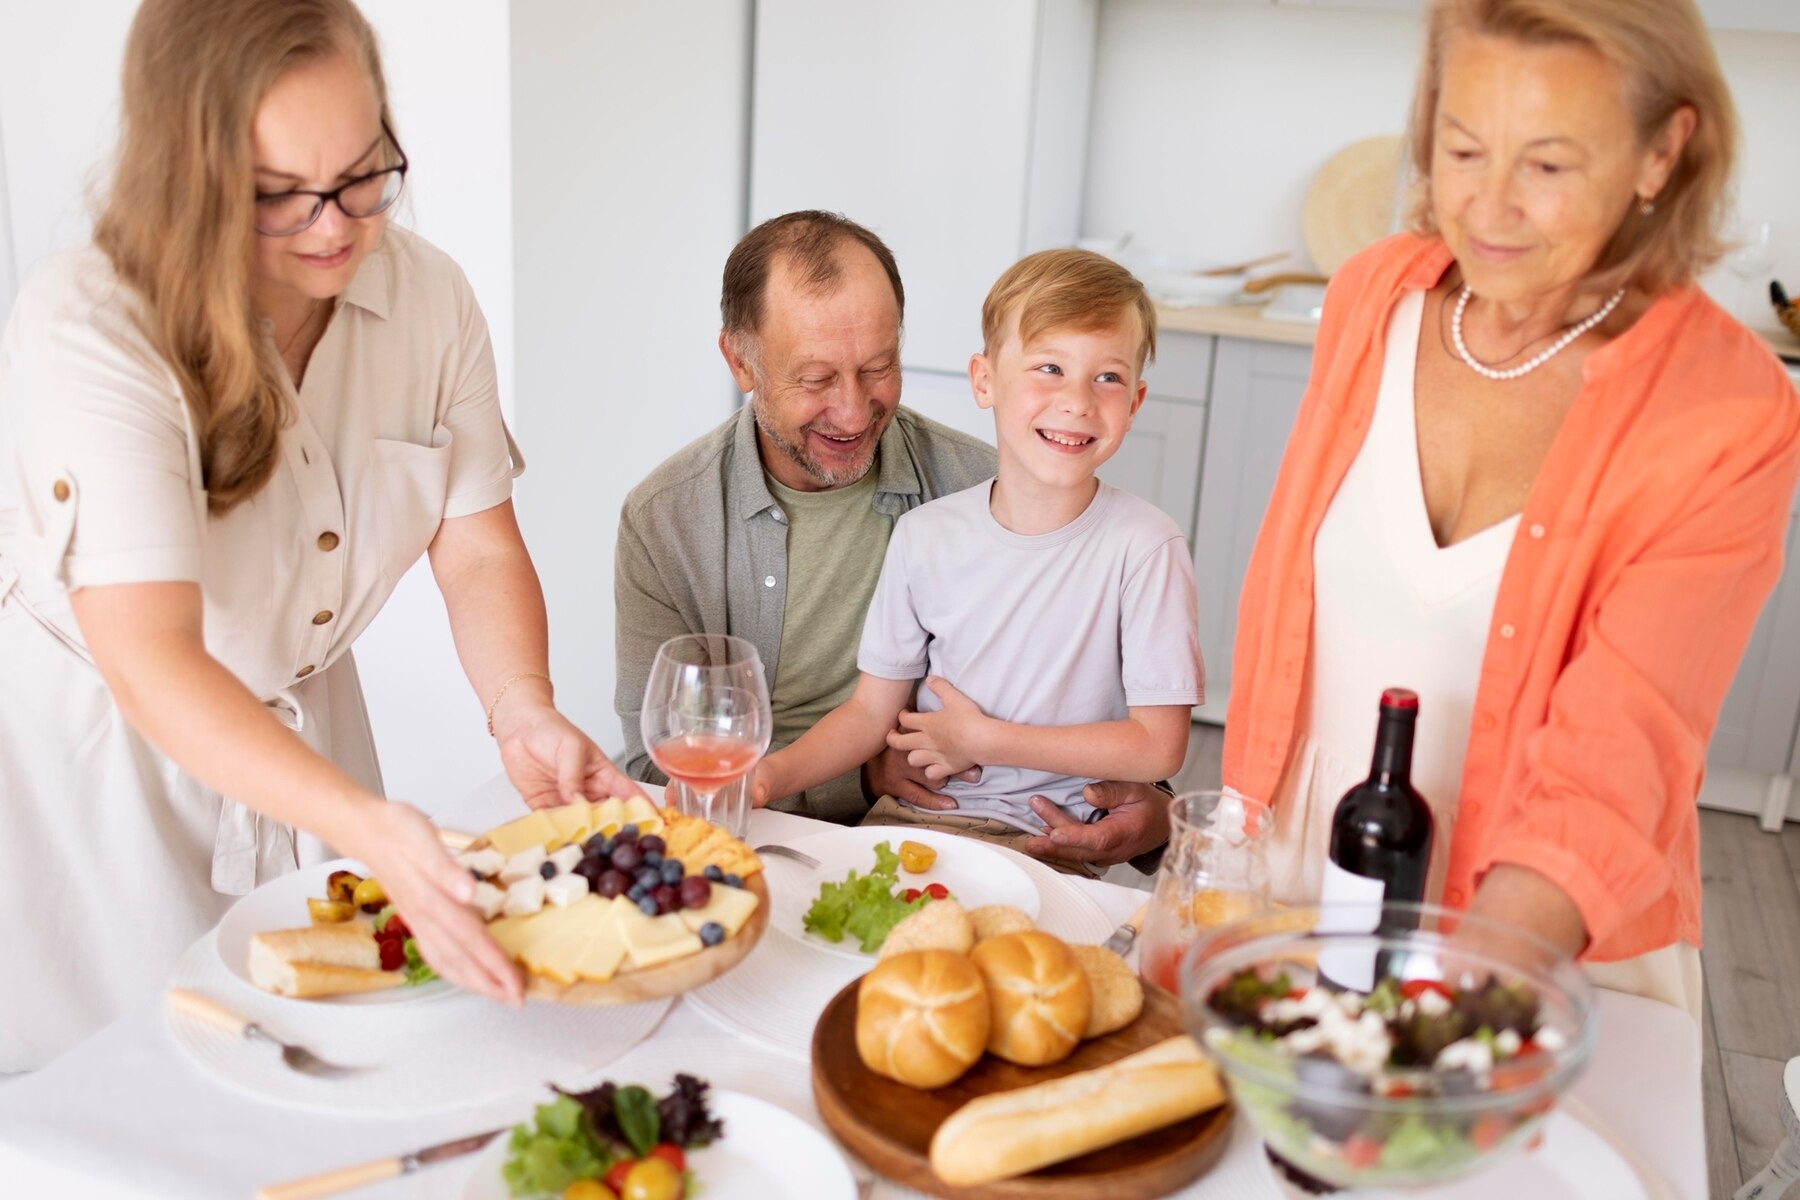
[[946, 742], [763, 781], [889, 774]]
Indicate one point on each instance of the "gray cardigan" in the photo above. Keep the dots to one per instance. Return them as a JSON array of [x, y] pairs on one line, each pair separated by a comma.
[[702, 548]]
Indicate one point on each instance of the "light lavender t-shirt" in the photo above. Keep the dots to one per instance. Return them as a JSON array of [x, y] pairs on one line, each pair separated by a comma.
[[1061, 628]]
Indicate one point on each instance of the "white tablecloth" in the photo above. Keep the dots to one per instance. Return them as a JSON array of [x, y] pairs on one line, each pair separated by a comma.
[[127, 1117]]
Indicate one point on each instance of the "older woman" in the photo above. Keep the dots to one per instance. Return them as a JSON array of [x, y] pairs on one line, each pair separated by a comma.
[[227, 428], [1539, 477]]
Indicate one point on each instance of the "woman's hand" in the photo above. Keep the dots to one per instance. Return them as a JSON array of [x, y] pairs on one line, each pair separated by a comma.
[[401, 847], [551, 762], [946, 742]]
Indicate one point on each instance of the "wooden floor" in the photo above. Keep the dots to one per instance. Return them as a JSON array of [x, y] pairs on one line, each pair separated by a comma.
[[1752, 960]]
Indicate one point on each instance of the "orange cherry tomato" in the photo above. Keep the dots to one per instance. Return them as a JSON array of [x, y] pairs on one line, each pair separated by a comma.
[[652, 1179]]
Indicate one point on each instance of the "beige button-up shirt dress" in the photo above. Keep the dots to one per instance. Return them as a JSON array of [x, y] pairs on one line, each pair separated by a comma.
[[114, 860]]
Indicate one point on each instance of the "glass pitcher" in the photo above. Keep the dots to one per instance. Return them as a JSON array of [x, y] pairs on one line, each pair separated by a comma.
[[1215, 870]]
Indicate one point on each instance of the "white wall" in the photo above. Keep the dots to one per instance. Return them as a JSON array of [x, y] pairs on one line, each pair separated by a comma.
[[448, 75], [1209, 121], [629, 135]]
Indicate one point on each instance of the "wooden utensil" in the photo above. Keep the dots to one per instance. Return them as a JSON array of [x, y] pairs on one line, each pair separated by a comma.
[[1271, 282], [1240, 268], [889, 1125]]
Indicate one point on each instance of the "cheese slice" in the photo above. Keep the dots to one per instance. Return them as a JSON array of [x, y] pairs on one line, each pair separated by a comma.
[[572, 822], [607, 815], [653, 940], [532, 829], [517, 934], [729, 906], [604, 953], [639, 810], [564, 934]]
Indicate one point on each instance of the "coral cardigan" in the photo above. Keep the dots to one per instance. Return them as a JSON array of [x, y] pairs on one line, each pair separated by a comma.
[[1648, 543]]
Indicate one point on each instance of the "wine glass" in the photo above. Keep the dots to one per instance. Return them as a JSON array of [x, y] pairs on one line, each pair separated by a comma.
[[706, 723], [1751, 259], [1215, 870]]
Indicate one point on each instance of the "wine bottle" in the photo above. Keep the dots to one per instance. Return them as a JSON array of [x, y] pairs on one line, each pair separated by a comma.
[[1380, 849]]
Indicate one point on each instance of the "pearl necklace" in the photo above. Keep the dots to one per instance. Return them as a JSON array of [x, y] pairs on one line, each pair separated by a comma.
[[1544, 356]]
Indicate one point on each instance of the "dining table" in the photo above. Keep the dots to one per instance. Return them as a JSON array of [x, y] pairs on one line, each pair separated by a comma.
[[128, 1115]]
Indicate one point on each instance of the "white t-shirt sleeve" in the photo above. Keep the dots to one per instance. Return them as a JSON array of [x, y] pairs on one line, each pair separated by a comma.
[[104, 470], [894, 640], [483, 458], [1159, 640]]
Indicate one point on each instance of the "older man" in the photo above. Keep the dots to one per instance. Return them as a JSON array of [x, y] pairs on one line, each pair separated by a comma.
[[773, 526]]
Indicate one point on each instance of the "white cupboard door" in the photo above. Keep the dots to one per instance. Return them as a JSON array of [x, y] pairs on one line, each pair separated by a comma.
[[1160, 458], [923, 121]]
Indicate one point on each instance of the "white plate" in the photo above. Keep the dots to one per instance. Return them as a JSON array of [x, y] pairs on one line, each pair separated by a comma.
[[766, 1151], [976, 874], [281, 904]]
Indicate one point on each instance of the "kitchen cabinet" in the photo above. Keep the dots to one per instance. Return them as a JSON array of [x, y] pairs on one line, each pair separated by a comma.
[[956, 131], [1254, 398], [1160, 458]]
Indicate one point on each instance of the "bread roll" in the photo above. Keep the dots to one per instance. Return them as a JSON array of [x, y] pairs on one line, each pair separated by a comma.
[[1038, 994], [940, 925], [1009, 1133], [992, 920], [1118, 996], [921, 1018]]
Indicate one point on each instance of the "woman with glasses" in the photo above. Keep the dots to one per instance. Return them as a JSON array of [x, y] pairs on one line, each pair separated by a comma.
[[227, 428]]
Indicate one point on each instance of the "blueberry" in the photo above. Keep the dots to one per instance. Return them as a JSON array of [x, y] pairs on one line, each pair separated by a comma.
[[734, 880], [628, 831], [648, 876], [712, 933], [713, 873], [647, 905], [652, 858], [596, 845], [548, 870], [671, 870], [636, 892]]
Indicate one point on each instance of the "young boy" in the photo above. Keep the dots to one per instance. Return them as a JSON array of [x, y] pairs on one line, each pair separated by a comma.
[[1052, 616]]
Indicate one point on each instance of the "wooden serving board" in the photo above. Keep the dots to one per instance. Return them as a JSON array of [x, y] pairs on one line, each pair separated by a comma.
[[666, 979], [889, 1125]]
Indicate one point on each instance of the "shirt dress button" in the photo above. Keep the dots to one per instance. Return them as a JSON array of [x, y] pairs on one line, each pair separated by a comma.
[[328, 541], [768, 581], [1454, 895], [1507, 631], [60, 490], [1484, 721], [322, 616], [303, 672], [1537, 531]]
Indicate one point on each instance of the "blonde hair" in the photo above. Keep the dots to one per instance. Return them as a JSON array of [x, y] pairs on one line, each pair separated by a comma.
[[1067, 289], [1662, 49], [178, 223]]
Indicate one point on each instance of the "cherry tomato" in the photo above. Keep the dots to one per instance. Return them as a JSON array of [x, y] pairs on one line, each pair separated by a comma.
[[672, 1154], [615, 1175], [911, 894], [937, 891], [652, 1179], [1412, 989], [396, 927], [1489, 1130], [589, 1189], [393, 953], [1399, 1091], [1361, 1152]]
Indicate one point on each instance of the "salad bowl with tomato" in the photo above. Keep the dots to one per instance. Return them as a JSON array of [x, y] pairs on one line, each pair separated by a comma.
[[1456, 1045]]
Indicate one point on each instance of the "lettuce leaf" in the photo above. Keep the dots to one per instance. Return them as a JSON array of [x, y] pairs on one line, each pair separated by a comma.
[[862, 906]]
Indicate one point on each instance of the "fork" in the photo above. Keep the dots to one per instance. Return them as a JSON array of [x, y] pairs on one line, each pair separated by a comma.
[[805, 860], [298, 1058]]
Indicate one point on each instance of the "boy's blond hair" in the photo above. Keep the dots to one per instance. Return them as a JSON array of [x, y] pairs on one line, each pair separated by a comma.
[[1067, 289]]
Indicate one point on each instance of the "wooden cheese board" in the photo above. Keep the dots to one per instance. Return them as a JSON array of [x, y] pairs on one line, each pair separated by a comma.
[[889, 1125]]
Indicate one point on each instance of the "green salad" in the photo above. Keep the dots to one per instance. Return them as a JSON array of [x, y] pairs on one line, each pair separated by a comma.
[[863, 906]]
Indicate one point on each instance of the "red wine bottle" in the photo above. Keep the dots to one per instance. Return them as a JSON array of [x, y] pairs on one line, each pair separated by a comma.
[[1380, 843]]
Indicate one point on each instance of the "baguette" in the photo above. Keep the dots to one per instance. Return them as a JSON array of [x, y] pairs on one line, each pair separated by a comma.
[[1010, 1133], [305, 980], [321, 960]]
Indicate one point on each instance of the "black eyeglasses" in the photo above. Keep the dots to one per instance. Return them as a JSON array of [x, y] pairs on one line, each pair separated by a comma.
[[287, 213]]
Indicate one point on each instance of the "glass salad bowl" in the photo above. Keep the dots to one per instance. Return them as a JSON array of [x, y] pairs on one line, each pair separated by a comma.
[[1399, 1045]]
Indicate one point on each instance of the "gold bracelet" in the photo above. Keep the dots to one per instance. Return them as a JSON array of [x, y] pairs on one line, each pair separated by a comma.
[[502, 692]]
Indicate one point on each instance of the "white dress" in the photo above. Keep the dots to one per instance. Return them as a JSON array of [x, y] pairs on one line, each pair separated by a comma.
[[1392, 608], [115, 860]]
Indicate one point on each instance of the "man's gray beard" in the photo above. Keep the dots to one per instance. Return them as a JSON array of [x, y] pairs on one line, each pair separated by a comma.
[[800, 458]]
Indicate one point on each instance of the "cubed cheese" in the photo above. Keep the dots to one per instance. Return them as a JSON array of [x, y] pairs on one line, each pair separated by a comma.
[[485, 863], [566, 858], [565, 890], [522, 865], [653, 940], [532, 829], [488, 900], [729, 906], [524, 897]]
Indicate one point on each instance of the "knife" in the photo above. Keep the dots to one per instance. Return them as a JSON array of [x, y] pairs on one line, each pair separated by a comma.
[[1122, 937], [345, 1178]]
